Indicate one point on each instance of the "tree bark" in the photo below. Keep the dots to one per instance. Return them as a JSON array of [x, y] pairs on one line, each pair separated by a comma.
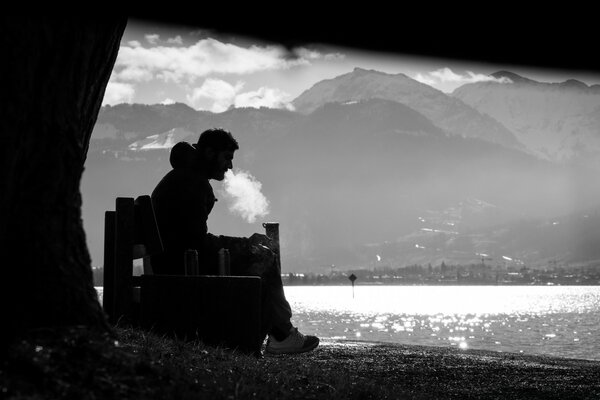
[[53, 73]]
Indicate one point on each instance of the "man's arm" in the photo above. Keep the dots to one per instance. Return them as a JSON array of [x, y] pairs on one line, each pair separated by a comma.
[[196, 229]]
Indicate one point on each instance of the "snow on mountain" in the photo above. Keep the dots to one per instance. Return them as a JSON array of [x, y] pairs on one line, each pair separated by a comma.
[[163, 141]]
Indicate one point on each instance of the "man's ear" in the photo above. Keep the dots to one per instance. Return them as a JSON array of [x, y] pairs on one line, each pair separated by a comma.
[[209, 153]]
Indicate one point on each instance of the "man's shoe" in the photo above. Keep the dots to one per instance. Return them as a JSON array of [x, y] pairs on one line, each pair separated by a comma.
[[294, 343]]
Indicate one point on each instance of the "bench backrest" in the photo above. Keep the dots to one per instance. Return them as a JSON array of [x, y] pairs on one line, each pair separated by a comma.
[[130, 233]]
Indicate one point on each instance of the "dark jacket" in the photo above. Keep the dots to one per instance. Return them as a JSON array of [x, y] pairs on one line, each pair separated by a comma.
[[182, 201]]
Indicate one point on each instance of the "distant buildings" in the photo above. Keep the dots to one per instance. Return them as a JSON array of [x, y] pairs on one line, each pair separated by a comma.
[[443, 274], [472, 274]]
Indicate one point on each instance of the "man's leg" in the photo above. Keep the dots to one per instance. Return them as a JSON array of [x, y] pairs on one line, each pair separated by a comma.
[[283, 337], [278, 321], [276, 312]]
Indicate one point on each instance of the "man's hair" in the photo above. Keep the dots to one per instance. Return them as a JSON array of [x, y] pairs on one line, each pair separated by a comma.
[[218, 139]]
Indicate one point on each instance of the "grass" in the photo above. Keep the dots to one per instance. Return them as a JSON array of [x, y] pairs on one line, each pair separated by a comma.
[[134, 364]]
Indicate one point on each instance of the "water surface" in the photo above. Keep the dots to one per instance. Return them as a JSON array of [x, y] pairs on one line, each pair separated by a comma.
[[559, 320]]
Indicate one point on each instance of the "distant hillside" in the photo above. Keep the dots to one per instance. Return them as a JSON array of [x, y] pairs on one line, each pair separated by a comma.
[[148, 119], [446, 112], [532, 242], [557, 121], [344, 176], [123, 125]]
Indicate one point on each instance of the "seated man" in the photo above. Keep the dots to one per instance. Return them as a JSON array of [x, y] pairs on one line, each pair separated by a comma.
[[183, 199]]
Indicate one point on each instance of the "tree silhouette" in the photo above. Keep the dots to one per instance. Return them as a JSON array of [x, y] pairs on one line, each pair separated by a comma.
[[54, 74]]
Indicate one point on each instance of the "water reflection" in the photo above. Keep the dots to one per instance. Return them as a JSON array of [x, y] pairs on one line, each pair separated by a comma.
[[562, 321]]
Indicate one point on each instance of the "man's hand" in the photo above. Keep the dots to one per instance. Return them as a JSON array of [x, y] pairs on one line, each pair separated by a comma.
[[261, 253], [258, 239]]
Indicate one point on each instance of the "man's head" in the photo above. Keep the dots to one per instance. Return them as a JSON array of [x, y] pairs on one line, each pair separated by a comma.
[[215, 149]]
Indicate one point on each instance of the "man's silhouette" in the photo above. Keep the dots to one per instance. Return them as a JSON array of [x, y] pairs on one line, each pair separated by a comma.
[[183, 199]]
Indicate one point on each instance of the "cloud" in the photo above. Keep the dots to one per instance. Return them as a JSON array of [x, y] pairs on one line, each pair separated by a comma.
[[264, 97], [155, 39], [222, 95], [167, 101], [134, 75], [152, 39], [446, 75], [334, 56], [118, 92], [424, 79], [134, 43], [205, 57], [308, 54], [176, 40]]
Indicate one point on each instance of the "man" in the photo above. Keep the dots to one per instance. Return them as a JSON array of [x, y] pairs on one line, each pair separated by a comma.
[[183, 199]]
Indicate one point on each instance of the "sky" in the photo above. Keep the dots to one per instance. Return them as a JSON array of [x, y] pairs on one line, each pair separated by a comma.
[[213, 71]]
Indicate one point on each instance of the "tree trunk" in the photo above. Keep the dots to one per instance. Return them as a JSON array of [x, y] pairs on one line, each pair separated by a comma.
[[54, 72]]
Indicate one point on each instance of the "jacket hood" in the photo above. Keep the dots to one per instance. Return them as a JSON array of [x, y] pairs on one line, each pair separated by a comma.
[[182, 155]]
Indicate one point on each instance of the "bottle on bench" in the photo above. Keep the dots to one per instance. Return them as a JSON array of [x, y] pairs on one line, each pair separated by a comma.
[[191, 262], [224, 262]]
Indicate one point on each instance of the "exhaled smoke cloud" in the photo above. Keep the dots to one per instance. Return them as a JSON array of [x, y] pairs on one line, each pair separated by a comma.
[[246, 199]]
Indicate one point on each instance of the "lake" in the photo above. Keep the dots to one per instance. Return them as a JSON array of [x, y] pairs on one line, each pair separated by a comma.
[[551, 320]]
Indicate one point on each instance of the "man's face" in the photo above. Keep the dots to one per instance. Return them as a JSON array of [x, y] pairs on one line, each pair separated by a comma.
[[222, 162]]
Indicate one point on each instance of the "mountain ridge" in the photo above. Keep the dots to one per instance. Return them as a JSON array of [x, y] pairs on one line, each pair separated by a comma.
[[518, 79], [513, 77], [446, 112]]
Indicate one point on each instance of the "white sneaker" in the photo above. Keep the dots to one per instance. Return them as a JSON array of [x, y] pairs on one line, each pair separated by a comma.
[[294, 343]]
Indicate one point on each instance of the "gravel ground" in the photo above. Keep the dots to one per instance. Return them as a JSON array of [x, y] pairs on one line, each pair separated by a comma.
[[450, 373]]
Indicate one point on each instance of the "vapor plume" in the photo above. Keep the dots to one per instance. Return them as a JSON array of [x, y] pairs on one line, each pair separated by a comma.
[[244, 194]]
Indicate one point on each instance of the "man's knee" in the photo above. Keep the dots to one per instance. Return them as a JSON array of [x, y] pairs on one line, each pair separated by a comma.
[[262, 268]]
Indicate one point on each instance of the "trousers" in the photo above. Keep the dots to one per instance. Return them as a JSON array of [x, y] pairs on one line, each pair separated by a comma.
[[276, 312]]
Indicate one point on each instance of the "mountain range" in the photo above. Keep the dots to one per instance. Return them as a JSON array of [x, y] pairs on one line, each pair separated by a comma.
[[372, 163], [454, 116], [556, 121]]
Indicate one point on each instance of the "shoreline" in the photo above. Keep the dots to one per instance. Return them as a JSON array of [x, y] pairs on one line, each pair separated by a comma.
[[358, 342], [451, 350], [336, 341], [442, 372]]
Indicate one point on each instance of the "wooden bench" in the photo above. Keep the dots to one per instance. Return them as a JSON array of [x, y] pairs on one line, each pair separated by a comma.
[[219, 310]]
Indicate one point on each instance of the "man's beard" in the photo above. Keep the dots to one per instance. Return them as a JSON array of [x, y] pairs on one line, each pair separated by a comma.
[[215, 173]]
